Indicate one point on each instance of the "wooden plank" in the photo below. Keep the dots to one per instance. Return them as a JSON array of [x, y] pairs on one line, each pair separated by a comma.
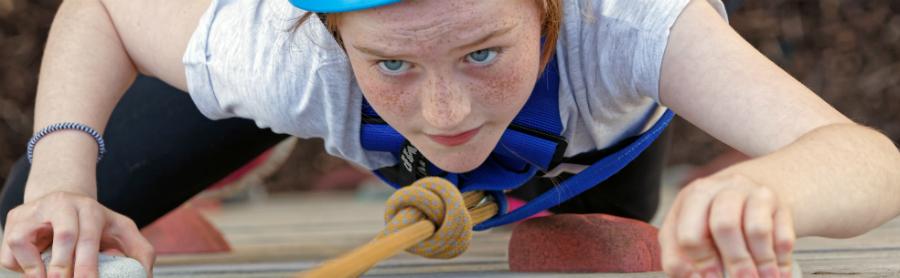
[[855, 263], [294, 232], [417, 267]]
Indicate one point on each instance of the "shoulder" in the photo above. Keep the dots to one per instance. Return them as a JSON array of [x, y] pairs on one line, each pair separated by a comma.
[[610, 54], [246, 60], [645, 15], [616, 46], [265, 29]]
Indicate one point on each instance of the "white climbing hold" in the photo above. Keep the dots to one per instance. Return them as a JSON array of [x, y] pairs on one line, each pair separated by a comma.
[[110, 266]]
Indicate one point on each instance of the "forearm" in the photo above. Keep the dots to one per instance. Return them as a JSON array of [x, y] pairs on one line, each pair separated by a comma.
[[84, 72], [840, 180]]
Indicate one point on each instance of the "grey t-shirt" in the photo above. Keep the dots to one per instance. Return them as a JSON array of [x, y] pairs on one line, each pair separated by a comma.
[[244, 61]]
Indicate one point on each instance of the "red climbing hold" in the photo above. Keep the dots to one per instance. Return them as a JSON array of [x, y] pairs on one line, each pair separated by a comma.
[[584, 243]]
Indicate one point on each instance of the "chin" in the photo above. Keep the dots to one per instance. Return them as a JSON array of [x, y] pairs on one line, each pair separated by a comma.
[[462, 158], [461, 161]]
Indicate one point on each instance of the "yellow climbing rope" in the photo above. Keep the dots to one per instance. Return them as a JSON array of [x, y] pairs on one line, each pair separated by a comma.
[[428, 218]]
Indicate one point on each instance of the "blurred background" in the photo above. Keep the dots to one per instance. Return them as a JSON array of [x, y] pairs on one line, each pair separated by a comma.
[[847, 51]]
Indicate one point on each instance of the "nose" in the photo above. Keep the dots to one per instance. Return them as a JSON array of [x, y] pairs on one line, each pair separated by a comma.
[[444, 104]]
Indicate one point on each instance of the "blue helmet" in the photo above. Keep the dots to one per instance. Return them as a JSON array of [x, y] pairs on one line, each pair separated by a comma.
[[339, 6]]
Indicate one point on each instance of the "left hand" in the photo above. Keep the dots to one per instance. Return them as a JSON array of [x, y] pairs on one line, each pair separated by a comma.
[[727, 222]]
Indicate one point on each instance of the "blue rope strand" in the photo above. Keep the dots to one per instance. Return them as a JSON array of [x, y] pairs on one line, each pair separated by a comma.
[[62, 126]]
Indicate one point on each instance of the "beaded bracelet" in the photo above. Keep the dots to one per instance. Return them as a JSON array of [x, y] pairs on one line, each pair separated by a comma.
[[60, 126]]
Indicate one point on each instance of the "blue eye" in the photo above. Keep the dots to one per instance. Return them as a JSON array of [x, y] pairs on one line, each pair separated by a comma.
[[482, 57], [393, 67]]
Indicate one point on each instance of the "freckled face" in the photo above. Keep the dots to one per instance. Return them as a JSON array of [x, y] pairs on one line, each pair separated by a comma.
[[450, 75]]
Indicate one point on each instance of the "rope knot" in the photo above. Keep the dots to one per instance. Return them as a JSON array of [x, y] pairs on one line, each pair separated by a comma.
[[440, 202]]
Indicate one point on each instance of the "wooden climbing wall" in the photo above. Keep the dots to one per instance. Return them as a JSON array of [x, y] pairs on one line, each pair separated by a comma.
[[287, 233], [293, 232]]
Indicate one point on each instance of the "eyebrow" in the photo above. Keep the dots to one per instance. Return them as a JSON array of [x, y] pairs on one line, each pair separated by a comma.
[[375, 52]]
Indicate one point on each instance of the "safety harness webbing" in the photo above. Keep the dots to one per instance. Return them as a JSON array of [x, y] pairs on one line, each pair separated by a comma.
[[532, 143]]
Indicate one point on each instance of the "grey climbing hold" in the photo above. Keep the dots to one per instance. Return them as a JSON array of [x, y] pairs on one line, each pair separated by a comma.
[[113, 266]]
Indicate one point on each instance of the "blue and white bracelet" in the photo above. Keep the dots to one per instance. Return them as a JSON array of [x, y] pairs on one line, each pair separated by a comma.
[[61, 126]]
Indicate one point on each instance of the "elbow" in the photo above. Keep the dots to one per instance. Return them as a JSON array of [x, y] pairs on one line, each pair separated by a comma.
[[890, 158], [879, 159], [885, 160]]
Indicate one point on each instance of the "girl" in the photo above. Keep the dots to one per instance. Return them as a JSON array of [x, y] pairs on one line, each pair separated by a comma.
[[453, 79]]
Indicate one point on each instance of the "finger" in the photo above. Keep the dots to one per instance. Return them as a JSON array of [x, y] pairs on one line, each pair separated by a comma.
[[110, 251], [87, 249], [784, 240], [65, 235], [27, 255], [6, 256], [725, 225], [758, 214], [692, 232], [131, 241], [674, 263]]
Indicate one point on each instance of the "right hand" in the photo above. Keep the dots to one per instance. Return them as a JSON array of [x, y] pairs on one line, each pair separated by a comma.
[[77, 227]]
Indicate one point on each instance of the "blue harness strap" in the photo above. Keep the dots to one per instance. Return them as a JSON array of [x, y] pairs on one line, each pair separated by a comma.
[[533, 142], [586, 179]]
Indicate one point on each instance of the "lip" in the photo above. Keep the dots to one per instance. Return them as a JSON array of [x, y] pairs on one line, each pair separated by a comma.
[[455, 139]]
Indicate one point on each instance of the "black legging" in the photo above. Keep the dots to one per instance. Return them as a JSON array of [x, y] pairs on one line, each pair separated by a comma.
[[162, 151], [633, 192]]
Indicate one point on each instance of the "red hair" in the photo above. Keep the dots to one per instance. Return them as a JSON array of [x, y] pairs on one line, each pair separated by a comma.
[[550, 21]]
